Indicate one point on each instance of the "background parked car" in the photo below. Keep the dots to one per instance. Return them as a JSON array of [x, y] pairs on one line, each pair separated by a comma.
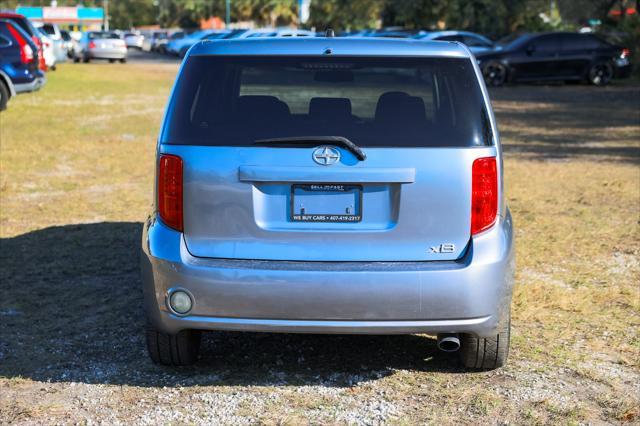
[[182, 44], [19, 71], [151, 39], [392, 32], [28, 27], [276, 32], [475, 42], [133, 40], [70, 43], [161, 43], [59, 45], [101, 45], [554, 56], [48, 50], [216, 35]]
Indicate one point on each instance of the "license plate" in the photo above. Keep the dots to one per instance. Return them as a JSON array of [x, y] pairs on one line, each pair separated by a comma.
[[326, 203]]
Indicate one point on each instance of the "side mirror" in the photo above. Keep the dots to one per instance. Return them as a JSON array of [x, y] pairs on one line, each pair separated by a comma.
[[530, 49]]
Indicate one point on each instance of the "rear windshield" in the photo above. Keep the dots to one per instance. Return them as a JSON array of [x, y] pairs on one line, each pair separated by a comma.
[[102, 35], [24, 24], [406, 102], [48, 28], [513, 41]]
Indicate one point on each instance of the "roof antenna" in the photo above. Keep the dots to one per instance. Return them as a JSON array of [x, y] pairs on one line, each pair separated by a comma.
[[330, 33]]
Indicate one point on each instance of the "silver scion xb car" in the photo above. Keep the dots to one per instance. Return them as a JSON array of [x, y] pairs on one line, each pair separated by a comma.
[[101, 45], [327, 185]]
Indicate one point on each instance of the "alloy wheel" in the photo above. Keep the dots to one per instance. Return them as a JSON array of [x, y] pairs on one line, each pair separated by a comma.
[[601, 74], [495, 74]]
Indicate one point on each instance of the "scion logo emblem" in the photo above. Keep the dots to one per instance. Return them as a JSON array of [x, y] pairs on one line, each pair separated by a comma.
[[326, 155]]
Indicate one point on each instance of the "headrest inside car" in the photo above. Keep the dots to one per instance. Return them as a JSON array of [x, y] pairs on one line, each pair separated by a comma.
[[330, 108], [399, 107], [259, 106]]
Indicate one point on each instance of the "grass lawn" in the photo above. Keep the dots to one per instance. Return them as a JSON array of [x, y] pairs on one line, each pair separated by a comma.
[[76, 171]]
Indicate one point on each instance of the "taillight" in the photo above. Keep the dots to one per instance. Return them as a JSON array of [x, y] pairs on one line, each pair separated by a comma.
[[625, 53], [92, 45], [26, 53], [484, 194], [170, 191], [41, 63]]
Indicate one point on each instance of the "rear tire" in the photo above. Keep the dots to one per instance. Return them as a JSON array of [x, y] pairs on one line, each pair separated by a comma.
[[123, 60], [481, 353], [495, 74], [4, 95], [111, 61], [600, 74], [86, 60], [173, 349]]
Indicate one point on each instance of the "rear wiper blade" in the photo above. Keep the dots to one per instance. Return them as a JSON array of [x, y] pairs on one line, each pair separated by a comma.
[[312, 140]]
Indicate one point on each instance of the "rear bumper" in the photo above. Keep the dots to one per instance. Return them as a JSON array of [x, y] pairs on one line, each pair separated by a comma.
[[623, 71], [107, 53], [31, 86], [471, 295]]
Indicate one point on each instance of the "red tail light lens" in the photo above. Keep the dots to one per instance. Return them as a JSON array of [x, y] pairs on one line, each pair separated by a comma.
[[484, 194], [26, 53], [170, 191], [41, 63], [92, 45], [625, 53]]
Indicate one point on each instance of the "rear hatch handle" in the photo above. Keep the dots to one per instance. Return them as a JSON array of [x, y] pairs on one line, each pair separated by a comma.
[[314, 140]]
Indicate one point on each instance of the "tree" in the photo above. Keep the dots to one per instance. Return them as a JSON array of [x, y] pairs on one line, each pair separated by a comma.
[[493, 17], [415, 14], [270, 13], [345, 14], [579, 11], [131, 13]]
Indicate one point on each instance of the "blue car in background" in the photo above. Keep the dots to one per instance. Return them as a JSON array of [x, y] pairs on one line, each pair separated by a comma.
[[180, 46], [475, 42], [19, 71]]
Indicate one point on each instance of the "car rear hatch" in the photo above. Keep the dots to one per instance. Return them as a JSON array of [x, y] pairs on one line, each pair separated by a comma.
[[106, 42], [270, 170]]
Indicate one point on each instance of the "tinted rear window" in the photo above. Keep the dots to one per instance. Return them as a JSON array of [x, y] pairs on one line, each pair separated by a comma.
[[48, 28], [102, 35], [24, 25], [407, 102]]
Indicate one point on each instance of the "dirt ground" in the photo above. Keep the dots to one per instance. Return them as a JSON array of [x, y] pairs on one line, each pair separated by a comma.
[[76, 164]]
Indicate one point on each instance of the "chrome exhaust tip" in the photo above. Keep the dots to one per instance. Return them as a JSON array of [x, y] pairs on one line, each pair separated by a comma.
[[448, 342]]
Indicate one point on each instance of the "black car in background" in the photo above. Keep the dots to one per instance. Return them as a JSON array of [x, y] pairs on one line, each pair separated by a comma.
[[554, 56]]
